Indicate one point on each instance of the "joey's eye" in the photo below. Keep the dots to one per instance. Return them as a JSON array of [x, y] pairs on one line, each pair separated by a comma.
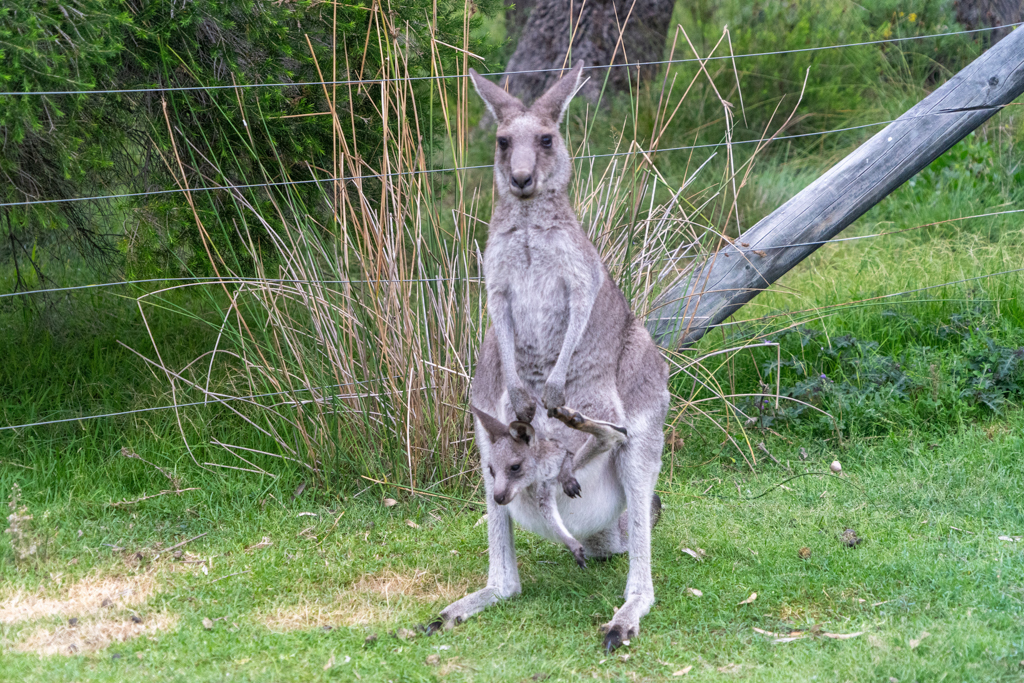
[[503, 143], [490, 469], [545, 140], [515, 468]]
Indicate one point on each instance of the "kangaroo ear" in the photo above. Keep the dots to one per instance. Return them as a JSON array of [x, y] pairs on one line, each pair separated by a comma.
[[521, 431], [501, 105], [492, 425], [552, 104]]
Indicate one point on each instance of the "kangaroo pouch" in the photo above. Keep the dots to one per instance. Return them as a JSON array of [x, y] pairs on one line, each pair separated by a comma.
[[597, 509]]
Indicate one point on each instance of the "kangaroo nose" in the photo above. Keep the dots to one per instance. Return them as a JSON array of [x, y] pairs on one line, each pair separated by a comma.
[[522, 179], [499, 498]]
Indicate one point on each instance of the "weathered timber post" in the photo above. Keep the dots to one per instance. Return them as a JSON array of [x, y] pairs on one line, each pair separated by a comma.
[[736, 274]]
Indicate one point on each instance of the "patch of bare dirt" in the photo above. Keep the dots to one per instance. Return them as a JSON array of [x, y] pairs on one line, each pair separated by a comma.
[[90, 636], [373, 599], [87, 596]]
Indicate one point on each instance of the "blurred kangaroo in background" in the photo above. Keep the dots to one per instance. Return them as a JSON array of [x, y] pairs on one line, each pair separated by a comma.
[[562, 330]]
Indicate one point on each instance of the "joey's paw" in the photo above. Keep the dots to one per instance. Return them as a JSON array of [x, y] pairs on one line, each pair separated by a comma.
[[581, 559], [522, 404], [554, 394], [571, 487], [570, 417]]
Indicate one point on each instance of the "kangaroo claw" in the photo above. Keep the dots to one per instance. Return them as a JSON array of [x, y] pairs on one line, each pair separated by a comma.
[[571, 487], [613, 639]]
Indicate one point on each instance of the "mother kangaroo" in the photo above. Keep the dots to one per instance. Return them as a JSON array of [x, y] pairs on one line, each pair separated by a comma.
[[561, 331]]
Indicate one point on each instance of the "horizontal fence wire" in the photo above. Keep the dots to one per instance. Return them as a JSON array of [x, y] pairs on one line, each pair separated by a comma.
[[288, 183], [213, 399], [213, 280], [455, 169], [377, 81], [224, 399]]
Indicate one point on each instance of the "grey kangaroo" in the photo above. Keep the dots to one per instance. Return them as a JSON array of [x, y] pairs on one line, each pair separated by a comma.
[[562, 330], [522, 462]]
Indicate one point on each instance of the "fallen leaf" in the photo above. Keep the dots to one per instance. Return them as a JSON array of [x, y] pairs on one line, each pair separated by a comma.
[[729, 669], [753, 596], [843, 636], [433, 660], [695, 554], [1011, 539], [914, 642], [265, 543], [480, 521], [682, 672], [207, 624], [307, 514], [390, 502], [695, 592], [624, 658], [329, 664], [766, 633], [412, 524]]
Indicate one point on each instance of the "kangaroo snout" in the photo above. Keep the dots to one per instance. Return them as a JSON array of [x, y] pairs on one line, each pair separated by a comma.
[[522, 183], [500, 497]]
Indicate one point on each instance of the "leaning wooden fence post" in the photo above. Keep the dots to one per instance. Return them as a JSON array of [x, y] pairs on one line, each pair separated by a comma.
[[735, 274]]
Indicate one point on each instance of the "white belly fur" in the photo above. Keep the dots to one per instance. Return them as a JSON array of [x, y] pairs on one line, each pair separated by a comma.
[[598, 508]]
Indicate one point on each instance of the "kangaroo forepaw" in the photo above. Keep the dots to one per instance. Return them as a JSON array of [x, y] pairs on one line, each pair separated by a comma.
[[571, 487], [554, 395], [522, 404]]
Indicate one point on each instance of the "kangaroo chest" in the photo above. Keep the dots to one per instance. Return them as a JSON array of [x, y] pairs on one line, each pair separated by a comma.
[[530, 266]]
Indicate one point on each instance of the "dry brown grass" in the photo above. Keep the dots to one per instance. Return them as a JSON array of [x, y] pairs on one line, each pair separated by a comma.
[[90, 636], [81, 598], [373, 599]]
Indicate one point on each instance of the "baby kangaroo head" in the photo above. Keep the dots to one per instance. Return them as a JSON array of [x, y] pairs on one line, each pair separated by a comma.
[[513, 456], [531, 156]]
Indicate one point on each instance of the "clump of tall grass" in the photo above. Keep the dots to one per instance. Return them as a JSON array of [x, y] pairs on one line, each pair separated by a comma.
[[351, 349]]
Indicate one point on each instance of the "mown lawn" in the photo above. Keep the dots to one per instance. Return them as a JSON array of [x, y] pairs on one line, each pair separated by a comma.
[[932, 589]]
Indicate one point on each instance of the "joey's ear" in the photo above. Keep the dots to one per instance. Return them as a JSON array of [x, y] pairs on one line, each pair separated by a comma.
[[552, 104], [501, 105], [521, 431], [492, 425]]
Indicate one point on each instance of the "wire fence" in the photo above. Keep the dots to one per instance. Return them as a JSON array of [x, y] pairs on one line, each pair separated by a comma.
[[212, 397], [378, 81], [454, 169], [216, 398], [212, 280]]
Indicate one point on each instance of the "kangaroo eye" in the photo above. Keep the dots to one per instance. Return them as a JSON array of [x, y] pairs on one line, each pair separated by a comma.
[[490, 469], [515, 468], [503, 143], [545, 140]]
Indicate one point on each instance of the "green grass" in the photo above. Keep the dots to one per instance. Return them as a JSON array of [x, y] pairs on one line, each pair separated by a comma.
[[902, 493], [932, 473]]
